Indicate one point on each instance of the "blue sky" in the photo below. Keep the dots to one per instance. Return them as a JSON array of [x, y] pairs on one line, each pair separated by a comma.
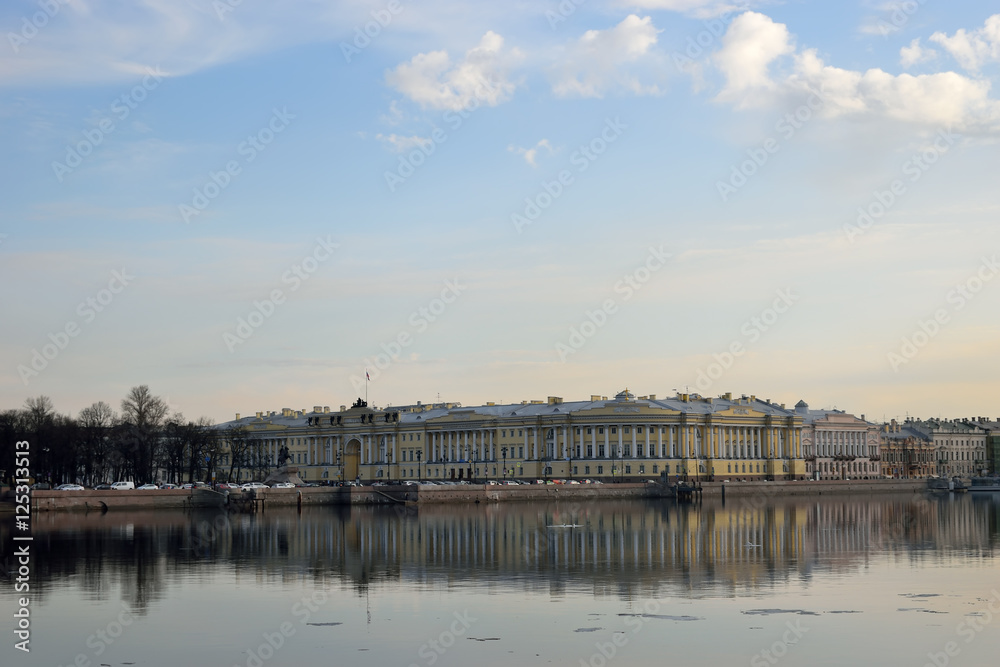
[[535, 198]]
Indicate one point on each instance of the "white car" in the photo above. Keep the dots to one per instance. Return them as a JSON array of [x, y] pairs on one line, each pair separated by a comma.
[[122, 486], [255, 485], [69, 487], [147, 487], [282, 485]]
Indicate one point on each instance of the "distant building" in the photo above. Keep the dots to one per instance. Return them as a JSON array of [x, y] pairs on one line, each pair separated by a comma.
[[838, 445], [960, 447], [992, 429], [906, 452], [625, 437]]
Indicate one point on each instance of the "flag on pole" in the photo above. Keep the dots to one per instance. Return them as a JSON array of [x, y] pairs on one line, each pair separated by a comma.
[[367, 377]]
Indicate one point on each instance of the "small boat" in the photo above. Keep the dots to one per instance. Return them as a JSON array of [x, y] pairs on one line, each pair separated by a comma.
[[985, 485], [958, 485]]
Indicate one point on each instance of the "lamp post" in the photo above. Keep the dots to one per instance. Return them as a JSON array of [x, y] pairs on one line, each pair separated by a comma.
[[503, 450], [419, 476]]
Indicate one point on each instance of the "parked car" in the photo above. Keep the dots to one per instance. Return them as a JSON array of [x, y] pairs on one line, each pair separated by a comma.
[[282, 485], [186, 486], [102, 487], [168, 486], [255, 485], [148, 487], [41, 486], [69, 487], [122, 486]]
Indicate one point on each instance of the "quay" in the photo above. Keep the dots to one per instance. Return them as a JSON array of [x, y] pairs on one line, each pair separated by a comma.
[[260, 499]]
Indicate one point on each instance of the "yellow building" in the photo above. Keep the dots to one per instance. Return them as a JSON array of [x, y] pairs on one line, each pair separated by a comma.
[[626, 437]]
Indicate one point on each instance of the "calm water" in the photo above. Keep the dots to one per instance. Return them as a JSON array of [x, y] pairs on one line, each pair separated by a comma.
[[810, 581]]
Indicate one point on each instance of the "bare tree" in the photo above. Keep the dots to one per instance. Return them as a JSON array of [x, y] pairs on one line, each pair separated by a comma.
[[143, 416], [96, 424]]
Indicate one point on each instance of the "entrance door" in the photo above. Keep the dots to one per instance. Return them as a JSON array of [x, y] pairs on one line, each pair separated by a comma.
[[352, 457]]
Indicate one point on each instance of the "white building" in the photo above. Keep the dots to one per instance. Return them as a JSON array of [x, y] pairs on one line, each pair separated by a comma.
[[838, 445]]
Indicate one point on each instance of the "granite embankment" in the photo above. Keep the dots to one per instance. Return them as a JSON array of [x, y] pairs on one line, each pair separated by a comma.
[[472, 493]]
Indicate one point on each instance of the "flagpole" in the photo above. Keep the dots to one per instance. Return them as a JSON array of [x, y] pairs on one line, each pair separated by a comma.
[[366, 386]]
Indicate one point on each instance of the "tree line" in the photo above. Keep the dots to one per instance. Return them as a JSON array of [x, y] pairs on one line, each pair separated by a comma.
[[142, 442]]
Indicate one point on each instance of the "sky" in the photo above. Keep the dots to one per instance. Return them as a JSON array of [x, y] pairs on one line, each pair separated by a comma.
[[248, 205]]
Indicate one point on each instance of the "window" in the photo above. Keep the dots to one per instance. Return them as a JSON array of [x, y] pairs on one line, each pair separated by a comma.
[[590, 431], [628, 450], [638, 450], [614, 430], [600, 430], [600, 470], [642, 470], [628, 470], [600, 451], [656, 468], [628, 429], [586, 470], [520, 432], [520, 452], [574, 470], [503, 433], [590, 451]]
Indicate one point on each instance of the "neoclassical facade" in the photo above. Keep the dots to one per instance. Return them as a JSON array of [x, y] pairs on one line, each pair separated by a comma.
[[838, 445], [906, 452], [960, 446], [625, 437]]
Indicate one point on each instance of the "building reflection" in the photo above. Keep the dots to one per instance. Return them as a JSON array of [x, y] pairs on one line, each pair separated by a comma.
[[619, 548]]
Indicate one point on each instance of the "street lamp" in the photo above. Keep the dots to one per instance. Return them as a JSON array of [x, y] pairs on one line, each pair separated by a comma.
[[503, 450], [419, 476]]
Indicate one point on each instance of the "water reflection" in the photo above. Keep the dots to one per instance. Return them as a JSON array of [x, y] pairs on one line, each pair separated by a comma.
[[606, 548]]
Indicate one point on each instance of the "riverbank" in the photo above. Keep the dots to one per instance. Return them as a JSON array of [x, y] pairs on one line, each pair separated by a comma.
[[101, 501]]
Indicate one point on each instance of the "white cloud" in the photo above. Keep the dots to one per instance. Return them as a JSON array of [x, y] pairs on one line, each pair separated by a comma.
[[401, 144], [915, 54], [599, 61], [432, 81], [754, 43], [973, 49], [531, 153], [92, 42]]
